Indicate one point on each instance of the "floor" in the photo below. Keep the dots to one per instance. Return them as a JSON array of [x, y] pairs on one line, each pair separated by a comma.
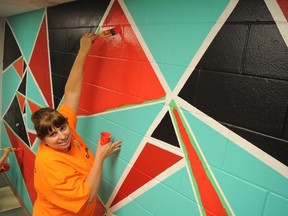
[[10, 205]]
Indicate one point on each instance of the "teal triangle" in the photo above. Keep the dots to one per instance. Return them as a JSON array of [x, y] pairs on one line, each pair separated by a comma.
[[215, 142], [119, 124], [14, 174], [30, 127], [10, 83], [36, 145], [25, 27], [33, 91], [228, 161], [29, 124], [174, 46], [173, 196]]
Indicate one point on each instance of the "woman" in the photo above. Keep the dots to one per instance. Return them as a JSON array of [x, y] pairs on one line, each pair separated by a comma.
[[67, 175]]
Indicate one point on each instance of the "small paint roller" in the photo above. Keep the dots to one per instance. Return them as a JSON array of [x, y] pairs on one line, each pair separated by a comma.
[[5, 167], [105, 137]]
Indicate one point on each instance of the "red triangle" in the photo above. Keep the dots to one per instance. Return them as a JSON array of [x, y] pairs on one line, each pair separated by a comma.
[[33, 107], [39, 64], [283, 4], [19, 66], [150, 163], [21, 101], [212, 204], [32, 138], [26, 158], [117, 70]]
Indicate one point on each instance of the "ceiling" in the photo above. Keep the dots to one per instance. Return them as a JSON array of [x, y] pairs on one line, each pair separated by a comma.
[[14, 7]]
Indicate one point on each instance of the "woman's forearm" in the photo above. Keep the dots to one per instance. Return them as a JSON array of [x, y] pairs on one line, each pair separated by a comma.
[[94, 178], [95, 175], [73, 85]]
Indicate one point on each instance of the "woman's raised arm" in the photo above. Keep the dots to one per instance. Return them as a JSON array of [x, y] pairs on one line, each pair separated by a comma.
[[74, 83]]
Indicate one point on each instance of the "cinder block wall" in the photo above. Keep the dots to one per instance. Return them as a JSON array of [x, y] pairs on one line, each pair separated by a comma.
[[197, 91]]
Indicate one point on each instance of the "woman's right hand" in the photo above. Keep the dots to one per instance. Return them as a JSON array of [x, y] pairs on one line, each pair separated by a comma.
[[104, 151], [86, 42]]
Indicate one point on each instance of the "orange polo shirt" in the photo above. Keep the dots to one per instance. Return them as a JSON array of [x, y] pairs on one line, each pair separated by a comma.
[[60, 177]]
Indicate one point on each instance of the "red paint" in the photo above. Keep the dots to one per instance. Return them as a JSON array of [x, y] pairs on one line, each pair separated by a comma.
[[19, 66], [210, 200], [33, 106], [283, 4], [26, 158], [39, 64], [151, 162], [117, 70], [32, 138], [21, 101]]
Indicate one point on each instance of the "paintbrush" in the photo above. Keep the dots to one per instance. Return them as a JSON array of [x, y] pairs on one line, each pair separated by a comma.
[[110, 32]]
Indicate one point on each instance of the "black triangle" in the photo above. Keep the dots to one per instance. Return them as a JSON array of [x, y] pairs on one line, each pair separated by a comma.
[[22, 87], [14, 119], [24, 66], [11, 49], [165, 131]]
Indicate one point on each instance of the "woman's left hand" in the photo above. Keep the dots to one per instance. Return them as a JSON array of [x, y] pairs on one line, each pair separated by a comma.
[[104, 151]]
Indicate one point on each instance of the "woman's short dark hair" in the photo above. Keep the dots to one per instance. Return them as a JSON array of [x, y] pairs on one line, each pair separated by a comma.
[[45, 119]]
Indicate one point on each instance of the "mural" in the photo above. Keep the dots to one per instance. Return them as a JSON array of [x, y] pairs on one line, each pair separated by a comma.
[[197, 91]]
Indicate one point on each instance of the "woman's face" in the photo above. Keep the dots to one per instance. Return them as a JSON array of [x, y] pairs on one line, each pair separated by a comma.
[[59, 138]]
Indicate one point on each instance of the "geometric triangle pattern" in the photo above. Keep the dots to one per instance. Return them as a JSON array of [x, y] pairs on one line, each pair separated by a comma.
[[176, 43], [224, 96], [34, 92], [149, 164], [166, 132], [206, 189], [15, 173], [237, 163], [19, 66], [22, 87], [158, 198], [10, 83], [64, 45], [25, 27], [32, 138], [157, 85], [14, 119], [21, 101], [39, 64], [24, 155], [31, 107], [11, 49], [112, 94]]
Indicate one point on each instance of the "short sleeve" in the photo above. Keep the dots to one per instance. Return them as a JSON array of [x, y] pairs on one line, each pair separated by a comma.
[[68, 113]]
